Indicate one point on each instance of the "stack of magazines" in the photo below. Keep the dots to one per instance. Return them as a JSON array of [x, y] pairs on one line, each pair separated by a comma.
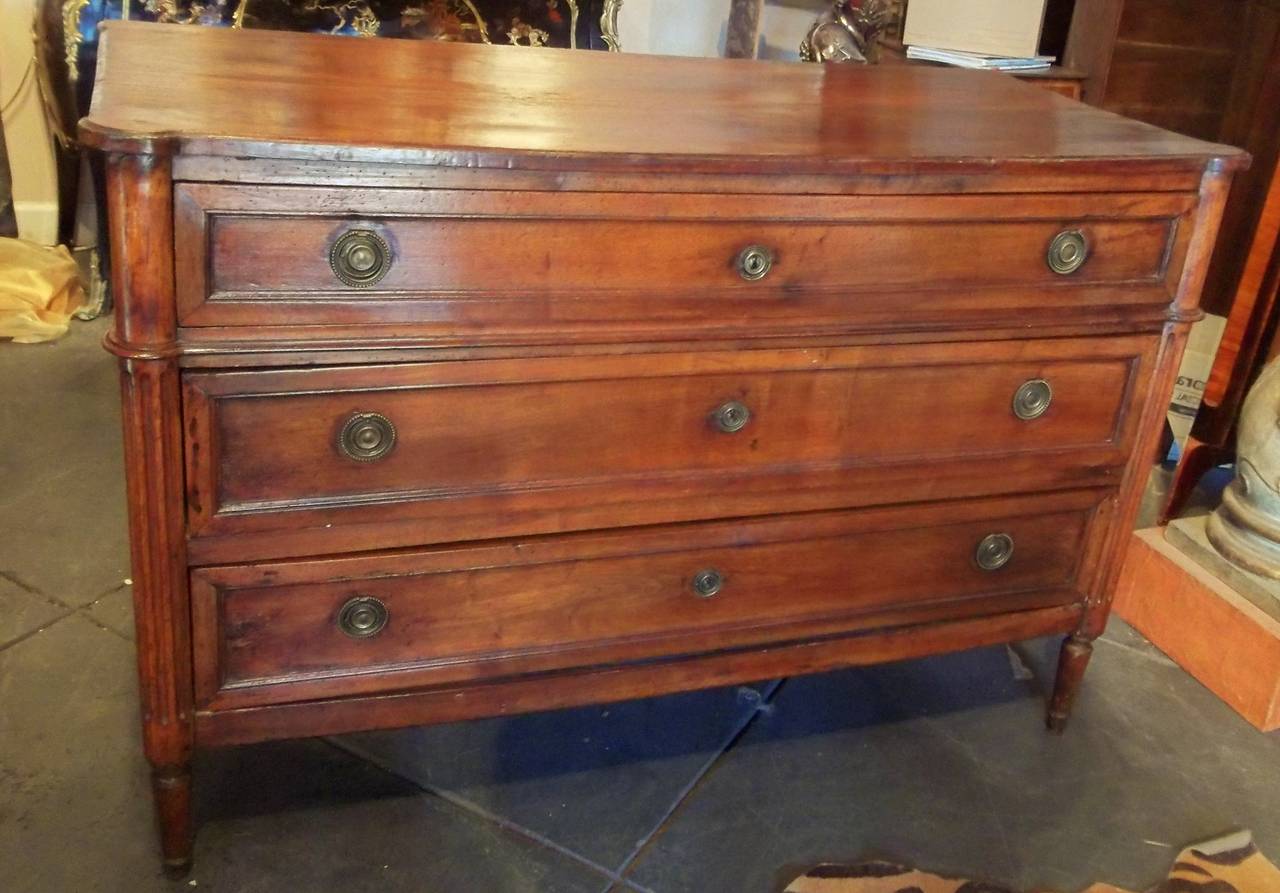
[[979, 60]]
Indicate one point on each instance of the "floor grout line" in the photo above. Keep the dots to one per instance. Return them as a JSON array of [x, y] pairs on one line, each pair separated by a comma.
[[21, 584], [766, 702], [88, 615], [34, 590], [1158, 657], [68, 610], [29, 589], [615, 877], [625, 885], [477, 810], [5, 646]]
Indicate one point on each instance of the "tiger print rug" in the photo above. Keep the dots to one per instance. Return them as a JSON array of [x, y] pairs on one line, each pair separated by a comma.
[[1230, 864]]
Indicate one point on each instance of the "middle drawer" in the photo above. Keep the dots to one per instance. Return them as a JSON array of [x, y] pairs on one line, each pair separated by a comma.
[[295, 461]]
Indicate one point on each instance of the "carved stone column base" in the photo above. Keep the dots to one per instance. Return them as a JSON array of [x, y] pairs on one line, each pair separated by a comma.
[[1246, 527], [1244, 535]]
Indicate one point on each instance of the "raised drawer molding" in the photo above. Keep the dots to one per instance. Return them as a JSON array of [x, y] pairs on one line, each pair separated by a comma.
[[439, 414]]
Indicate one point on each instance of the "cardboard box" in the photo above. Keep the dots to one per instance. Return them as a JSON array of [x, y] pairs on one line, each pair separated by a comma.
[[991, 27], [1188, 390]]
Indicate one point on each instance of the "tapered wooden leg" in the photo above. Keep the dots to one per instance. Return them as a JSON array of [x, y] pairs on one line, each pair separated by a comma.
[[1071, 663], [171, 787]]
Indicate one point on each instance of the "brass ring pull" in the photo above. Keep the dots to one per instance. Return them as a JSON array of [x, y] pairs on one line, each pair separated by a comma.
[[1032, 399], [754, 262], [362, 617], [1067, 252], [360, 257], [367, 436], [731, 416], [707, 583], [994, 551]]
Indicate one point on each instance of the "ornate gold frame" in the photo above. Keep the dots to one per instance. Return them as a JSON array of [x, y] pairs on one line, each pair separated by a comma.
[[72, 9], [609, 25]]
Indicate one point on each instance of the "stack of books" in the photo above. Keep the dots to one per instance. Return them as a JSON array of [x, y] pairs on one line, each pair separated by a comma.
[[979, 60], [1000, 35]]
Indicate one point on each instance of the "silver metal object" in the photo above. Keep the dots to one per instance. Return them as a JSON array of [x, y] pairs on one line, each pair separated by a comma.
[[1032, 399], [367, 436], [609, 25], [994, 551], [362, 617], [731, 416], [847, 31], [754, 262], [1067, 252], [707, 583]]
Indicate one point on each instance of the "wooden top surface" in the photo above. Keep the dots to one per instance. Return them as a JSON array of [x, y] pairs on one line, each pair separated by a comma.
[[213, 91]]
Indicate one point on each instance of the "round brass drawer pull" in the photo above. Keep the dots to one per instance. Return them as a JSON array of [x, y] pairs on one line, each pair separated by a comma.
[[731, 416], [367, 436], [754, 262], [707, 583], [360, 257], [994, 551], [362, 617], [1068, 251], [1032, 399]]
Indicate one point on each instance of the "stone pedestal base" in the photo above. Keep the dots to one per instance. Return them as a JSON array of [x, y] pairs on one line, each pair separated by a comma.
[[1177, 595]]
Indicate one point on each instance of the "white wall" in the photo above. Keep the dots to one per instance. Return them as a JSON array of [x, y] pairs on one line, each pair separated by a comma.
[[697, 27], [783, 27], [27, 139], [673, 27]]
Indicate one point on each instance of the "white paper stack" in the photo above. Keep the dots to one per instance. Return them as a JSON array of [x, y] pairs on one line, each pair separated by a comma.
[[1000, 28], [980, 60]]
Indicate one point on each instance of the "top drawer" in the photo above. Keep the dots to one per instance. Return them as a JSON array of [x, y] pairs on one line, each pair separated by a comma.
[[498, 266]]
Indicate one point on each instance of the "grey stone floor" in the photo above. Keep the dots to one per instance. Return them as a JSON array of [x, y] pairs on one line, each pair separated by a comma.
[[942, 762]]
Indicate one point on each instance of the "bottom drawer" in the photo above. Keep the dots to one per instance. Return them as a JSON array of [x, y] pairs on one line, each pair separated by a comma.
[[391, 621]]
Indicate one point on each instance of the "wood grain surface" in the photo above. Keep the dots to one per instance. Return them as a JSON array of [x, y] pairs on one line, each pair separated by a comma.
[[285, 95]]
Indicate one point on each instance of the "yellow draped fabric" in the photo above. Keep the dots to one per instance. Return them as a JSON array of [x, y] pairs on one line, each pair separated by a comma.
[[39, 290]]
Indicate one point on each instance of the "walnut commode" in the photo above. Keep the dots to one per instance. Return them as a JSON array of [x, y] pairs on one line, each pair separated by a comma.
[[557, 378]]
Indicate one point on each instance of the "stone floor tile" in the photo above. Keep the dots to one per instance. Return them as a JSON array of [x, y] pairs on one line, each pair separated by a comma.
[[75, 810], [304, 815], [62, 508], [1121, 635], [1144, 769], [840, 767], [944, 763], [68, 540], [597, 780]]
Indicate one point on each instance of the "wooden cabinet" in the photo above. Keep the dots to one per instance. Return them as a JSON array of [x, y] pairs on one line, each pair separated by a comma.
[[709, 375]]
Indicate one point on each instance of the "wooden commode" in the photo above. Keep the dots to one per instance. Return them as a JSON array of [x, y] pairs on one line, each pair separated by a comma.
[[462, 381]]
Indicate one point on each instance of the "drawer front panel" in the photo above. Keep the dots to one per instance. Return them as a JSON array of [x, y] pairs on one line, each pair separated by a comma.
[[266, 449], [306, 629], [485, 264]]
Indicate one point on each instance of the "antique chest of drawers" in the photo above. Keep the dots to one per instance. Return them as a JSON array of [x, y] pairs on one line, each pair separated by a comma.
[[463, 381]]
